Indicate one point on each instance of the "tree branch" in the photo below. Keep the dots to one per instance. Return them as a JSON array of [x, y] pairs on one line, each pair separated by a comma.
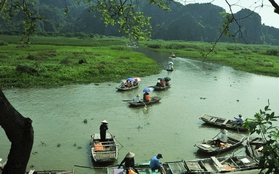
[[275, 5]]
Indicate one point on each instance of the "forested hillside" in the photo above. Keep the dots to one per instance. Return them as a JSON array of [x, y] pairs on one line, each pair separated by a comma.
[[195, 22]]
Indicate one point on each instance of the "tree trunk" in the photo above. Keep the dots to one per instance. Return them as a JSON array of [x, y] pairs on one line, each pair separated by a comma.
[[20, 132]]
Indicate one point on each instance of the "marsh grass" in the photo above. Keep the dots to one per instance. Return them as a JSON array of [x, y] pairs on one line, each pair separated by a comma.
[[52, 65], [57, 61]]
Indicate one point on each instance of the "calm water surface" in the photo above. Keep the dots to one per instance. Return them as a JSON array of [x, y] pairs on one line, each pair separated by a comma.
[[171, 127]]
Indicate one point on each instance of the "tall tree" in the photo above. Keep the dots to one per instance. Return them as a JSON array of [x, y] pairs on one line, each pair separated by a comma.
[[20, 132]]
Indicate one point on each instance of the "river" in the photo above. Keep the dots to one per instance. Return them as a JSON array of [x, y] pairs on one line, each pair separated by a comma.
[[64, 118]]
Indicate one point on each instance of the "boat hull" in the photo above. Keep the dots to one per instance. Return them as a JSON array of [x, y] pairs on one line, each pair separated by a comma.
[[160, 88], [220, 164], [222, 122], [209, 146], [119, 88], [105, 151], [141, 103]]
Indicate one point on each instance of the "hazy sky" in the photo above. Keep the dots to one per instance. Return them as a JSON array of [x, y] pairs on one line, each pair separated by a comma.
[[269, 18]]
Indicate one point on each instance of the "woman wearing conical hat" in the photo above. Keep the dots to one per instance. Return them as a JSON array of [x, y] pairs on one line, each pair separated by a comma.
[[103, 130], [129, 162]]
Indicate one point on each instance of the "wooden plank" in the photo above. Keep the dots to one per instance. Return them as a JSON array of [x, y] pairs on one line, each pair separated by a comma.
[[177, 167], [216, 162], [213, 119], [193, 166], [225, 122], [207, 167], [31, 171]]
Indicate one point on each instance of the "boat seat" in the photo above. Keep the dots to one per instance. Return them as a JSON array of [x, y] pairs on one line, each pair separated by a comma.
[[220, 166], [225, 122], [213, 119], [207, 167]]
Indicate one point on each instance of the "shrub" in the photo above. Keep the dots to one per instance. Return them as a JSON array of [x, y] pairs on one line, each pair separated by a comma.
[[26, 69]]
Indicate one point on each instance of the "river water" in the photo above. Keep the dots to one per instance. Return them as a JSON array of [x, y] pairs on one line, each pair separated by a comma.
[[64, 118]]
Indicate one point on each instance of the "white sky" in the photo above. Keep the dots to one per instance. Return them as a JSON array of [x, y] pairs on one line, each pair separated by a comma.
[[269, 18]]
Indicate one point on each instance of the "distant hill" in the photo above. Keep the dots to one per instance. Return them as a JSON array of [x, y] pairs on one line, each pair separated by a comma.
[[194, 22]]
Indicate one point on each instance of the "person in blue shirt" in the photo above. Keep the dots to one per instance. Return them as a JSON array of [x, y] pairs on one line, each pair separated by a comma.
[[238, 121], [155, 164]]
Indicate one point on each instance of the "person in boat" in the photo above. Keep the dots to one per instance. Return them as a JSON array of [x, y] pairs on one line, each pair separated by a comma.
[[155, 163], [103, 130], [146, 97], [129, 162], [167, 82], [128, 83], [238, 121], [122, 85], [160, 82], [137, 99], [135, 82], [222, 138], [169, 67]]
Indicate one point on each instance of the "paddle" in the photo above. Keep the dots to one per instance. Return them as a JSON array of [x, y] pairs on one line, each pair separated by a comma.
[[128, 100], [116, 139], [216, 135], [144, 104]]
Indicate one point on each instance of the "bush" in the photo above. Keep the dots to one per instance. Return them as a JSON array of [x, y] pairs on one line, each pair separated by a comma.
[[26, 69], [154, 46]]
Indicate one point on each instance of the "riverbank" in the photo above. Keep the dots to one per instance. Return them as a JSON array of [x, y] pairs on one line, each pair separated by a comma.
[[52, 62]]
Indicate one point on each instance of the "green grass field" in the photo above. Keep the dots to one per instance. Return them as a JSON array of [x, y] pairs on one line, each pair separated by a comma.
[[56, 61]]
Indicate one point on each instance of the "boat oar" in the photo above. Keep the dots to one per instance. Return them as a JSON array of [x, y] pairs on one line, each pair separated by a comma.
[[216, 135], [128, 100], [88, 167], [145, 106], [116, 139]]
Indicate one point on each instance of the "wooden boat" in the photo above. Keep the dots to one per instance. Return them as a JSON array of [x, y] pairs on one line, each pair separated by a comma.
[[169, 69], [172, 55], [141, 103], [103, 151], [175, 167], [208, 146], [32, 171], [220, 164], [119, 88], [160, 88], [254, 146], [222, 122]]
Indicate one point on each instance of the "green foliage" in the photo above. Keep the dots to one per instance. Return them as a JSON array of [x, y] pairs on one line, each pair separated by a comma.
[[36, 15], [274, 52], [262, 124]]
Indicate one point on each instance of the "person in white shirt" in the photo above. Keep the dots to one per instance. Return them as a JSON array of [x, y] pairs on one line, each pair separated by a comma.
[[222, 138]]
